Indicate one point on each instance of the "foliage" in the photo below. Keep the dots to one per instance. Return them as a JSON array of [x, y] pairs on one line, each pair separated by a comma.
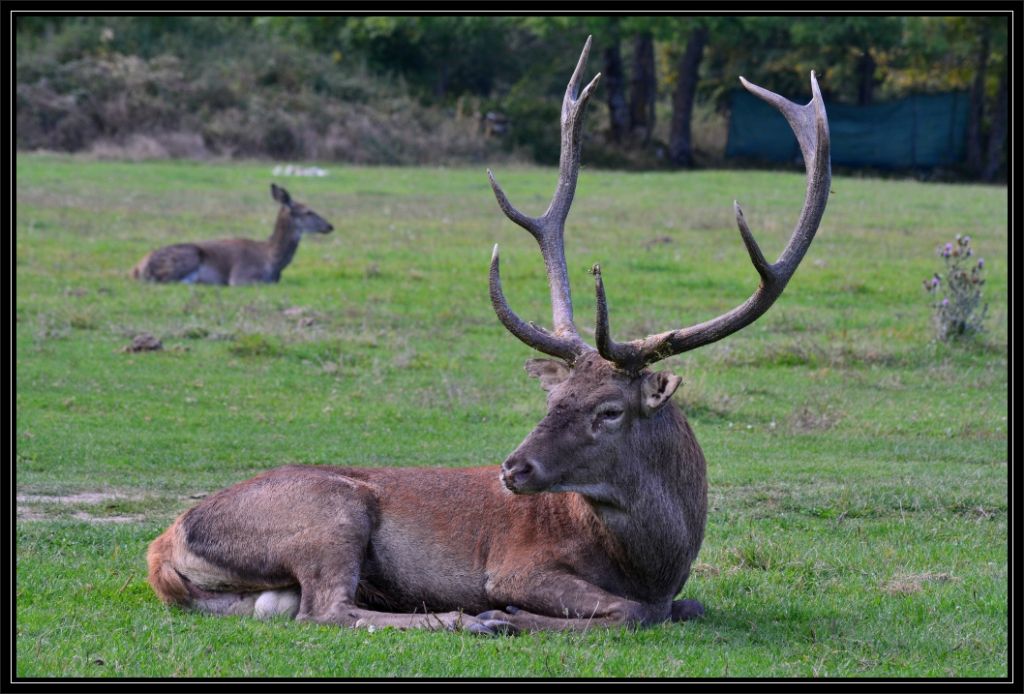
[[295, 105], [958, 309], [279, 85], [938, 53]]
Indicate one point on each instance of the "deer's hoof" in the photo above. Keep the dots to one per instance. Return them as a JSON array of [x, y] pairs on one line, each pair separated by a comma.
[[683, 610], [500, 626], [495, 622], [479, 628], [493, 627]]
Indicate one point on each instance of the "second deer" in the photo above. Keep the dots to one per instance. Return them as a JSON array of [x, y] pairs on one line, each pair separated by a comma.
[[236, 261]]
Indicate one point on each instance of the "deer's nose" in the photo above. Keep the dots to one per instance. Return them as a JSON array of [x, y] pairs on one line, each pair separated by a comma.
[[516, 471]]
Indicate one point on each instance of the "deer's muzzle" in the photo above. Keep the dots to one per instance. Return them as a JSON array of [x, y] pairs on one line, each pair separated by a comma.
[[519, 474]]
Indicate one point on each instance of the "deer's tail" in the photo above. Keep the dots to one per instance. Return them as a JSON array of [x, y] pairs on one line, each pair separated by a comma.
[[139, 270], [169, 551], [166, 581]]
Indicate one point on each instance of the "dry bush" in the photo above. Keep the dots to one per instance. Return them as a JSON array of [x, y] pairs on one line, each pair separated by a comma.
[[126, 107]]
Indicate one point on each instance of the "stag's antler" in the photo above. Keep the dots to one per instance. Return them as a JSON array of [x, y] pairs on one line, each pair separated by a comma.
[[564, 341], [810, 125]]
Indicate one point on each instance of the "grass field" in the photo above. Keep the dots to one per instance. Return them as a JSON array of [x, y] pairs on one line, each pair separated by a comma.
[[857, 468]]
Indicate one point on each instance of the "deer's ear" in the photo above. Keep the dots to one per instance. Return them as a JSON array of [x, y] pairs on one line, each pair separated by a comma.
[[655, 390], [548, 371], [280, 194]]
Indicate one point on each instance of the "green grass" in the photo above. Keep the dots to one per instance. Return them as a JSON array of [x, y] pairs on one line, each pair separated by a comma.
[[858, 469]]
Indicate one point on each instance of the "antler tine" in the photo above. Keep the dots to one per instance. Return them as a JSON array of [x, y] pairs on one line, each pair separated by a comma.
[[572, 129], [549, 229], [810, 125], [625, 355], [533, 335]]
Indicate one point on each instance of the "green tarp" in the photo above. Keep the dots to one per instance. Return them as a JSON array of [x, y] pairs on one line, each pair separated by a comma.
[[919, 131]]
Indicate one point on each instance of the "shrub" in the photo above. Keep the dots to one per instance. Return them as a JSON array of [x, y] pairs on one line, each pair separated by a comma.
[[114, 105], [959, 311], [256, 345]]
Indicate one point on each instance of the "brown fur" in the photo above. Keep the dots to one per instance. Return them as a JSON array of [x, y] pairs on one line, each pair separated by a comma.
[[235, 261], [165, 580], [450, 548]]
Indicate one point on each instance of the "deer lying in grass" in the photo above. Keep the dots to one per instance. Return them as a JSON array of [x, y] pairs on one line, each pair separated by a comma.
[[236, 261], [595, 519]]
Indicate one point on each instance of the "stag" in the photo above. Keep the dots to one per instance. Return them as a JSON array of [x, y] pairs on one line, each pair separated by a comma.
[[236, 261], [594, 519]]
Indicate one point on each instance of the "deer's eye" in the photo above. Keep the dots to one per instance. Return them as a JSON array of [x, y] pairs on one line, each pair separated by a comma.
[[609, 413]]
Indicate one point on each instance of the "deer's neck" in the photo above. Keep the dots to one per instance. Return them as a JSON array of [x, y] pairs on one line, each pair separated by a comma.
[[655, 523], [283, 242]]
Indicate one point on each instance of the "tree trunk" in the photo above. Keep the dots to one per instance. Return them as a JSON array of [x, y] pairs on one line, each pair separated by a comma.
[[441, 83], [680, 147], [977, 113], [997, 135], [643, 87], [615, 83], [866, 72]]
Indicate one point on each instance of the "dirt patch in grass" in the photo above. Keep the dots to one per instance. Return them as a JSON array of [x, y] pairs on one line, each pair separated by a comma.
[[806, 419], [704, 569], [79, 498], [908, 584], [89, 518], [42, 507], [95, 507]]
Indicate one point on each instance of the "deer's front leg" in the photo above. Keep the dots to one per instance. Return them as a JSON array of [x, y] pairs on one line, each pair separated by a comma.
[[559, 601]]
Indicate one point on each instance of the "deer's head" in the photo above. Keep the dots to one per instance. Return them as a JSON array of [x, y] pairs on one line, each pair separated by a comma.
[[605, 405], [599, 418], [300, 218]]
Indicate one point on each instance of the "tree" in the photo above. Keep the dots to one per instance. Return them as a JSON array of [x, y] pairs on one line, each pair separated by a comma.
[[448, 54], [848, 48], [615, 84], [715, 36], [977, 110], [680, 147], [988, 105], [643, 87], [962, 53], [606, 33], [995, 158]]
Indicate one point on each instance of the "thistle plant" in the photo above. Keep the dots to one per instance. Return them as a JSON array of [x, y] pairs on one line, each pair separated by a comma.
[[959, 311]]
